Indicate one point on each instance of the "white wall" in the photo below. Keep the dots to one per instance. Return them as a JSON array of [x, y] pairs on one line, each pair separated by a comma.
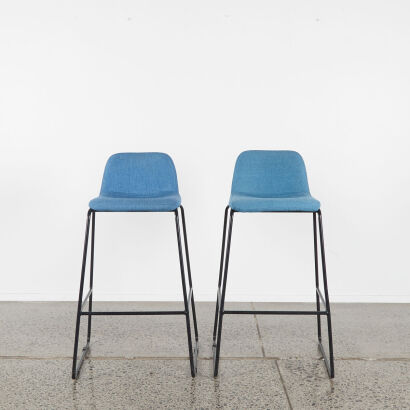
[[203, 81]]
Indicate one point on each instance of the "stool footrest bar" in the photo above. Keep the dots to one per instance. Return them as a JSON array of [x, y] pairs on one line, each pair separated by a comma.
[[274, 312], [142, 313]]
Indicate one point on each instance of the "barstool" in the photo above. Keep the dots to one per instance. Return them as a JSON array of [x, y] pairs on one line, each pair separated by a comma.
[[137, 182], [272, 181]]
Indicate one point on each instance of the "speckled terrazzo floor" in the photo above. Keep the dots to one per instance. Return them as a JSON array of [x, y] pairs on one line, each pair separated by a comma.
[[268, 362]]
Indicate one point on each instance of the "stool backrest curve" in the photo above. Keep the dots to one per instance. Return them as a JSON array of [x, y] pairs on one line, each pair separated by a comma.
[[270, 174], [142, 174]]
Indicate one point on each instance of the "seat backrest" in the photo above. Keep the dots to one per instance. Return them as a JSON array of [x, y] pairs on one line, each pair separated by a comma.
[[139, 174], [270, 174]]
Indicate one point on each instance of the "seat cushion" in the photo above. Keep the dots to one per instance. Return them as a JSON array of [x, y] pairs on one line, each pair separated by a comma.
[[245, 203], [136, 204]]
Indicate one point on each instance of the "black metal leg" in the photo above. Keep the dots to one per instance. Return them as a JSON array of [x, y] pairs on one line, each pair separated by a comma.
[[188, 262], [188, 298], [217, 348], [223, 274], [329, 363], [192, 360], [319, 329], [221, 266], [76, 369], [90, 300]]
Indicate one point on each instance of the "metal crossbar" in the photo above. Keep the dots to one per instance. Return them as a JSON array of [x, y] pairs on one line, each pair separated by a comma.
[[274, 312], [136, 313]]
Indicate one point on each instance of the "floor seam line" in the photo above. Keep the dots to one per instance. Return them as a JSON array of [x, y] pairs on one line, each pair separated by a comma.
[[259, 332], [283, 385], [275, 360]]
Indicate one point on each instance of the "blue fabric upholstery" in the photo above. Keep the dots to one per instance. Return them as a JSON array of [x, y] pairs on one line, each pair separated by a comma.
[[145, 181], [271, 181]]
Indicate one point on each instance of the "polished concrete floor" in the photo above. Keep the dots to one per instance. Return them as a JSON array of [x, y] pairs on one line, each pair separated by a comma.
[[268, 362]]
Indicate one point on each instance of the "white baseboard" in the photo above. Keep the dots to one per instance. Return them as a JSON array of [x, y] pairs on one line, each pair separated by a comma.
[[201, 297]]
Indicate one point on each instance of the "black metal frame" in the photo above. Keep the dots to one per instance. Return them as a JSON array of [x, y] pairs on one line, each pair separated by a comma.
[[220, 300], [188, 298]]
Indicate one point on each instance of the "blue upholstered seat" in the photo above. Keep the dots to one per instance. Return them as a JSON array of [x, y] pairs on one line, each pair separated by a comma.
[[271, 181], [145, 181]]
